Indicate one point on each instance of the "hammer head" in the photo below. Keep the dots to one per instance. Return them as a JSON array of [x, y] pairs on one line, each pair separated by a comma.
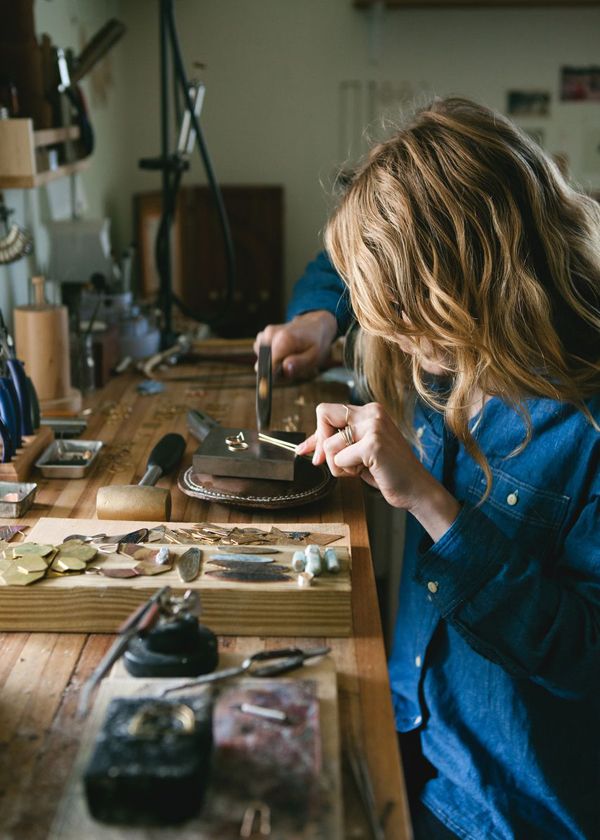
[[142, 503]]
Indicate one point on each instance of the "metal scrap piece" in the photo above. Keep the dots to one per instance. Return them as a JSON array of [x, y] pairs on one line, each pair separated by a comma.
[[250, 549], [241, 558], [188, 564], [245, 576], [118, 573], [247, 566], [149, 567]]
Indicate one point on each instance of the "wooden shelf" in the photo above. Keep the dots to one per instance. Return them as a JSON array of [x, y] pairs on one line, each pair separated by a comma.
[[18, 160], [52, 136], [479, 4]]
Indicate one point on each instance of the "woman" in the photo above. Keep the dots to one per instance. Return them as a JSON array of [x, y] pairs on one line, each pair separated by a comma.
[[473, 269]]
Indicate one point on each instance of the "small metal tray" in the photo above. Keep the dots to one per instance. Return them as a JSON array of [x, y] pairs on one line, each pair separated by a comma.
[[16, 507], [62, 459]]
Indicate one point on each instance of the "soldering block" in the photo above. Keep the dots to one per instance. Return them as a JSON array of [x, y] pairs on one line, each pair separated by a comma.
[[156, 776], [259, 460]]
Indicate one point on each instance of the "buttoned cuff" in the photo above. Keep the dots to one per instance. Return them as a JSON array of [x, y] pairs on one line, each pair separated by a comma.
[[456, 567]]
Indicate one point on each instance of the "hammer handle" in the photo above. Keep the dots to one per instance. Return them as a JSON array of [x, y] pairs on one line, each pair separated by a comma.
[[164, 457]]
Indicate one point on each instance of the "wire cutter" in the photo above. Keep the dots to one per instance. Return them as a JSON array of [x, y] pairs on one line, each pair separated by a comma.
[[284, 660]]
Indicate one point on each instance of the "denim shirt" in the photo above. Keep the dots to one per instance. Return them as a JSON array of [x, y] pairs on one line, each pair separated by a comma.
[[496, 654], [320, 287]]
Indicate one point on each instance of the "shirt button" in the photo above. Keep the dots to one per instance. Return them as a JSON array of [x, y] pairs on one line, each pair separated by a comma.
[[432, 586], [420, 431], [418, 661], [512, 499], [418, 720]]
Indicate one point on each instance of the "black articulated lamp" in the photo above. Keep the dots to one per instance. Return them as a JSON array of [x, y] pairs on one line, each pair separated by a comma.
[[172, 165]]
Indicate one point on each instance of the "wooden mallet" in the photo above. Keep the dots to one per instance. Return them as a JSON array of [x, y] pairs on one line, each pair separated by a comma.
[[143, 501]]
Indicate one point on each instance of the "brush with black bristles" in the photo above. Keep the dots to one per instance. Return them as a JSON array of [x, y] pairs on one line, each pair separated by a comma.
[[15, 242]]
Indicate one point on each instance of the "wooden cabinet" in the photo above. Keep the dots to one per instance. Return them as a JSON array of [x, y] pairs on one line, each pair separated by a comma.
[[24, 154], [198, 255]]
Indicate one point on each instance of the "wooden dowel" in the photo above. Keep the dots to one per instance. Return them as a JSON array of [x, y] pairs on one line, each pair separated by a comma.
[[284, 444]]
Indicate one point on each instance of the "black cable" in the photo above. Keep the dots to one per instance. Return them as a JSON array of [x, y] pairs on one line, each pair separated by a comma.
[[217, 195], [163, 244]]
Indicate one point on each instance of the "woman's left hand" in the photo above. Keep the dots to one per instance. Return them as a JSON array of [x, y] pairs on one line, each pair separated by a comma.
[[382, 457]]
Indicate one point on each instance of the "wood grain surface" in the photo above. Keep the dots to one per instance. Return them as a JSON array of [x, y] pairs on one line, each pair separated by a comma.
[[42, 673], [73, 822], [98, 604]]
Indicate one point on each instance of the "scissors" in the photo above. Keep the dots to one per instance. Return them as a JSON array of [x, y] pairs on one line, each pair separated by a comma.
[[285, 659]]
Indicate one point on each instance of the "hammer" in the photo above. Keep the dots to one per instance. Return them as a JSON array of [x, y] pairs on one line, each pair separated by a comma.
[[143, 501]]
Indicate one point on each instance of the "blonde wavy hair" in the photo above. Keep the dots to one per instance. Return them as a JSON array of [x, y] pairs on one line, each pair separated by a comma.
[[461, 233]]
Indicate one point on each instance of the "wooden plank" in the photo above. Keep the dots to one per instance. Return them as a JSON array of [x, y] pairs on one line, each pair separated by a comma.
[[56, 748], [31, 695], [50, 136], [94, 603], [479, 4], [17, 154], [21, 465], [373, 685], [25, 182], [73, 821]]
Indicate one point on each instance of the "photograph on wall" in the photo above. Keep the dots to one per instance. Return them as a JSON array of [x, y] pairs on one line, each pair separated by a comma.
[[528, 103], [580, 84]]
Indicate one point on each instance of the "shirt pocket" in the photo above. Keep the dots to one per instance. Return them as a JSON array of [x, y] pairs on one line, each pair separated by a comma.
[[533, 515]]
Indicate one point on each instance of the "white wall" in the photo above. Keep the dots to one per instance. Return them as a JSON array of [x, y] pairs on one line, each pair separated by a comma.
[[290, 83], [70, 23], [277, 85]]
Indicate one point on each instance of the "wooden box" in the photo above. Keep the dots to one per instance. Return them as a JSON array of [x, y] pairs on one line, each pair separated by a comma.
[[90, 603]]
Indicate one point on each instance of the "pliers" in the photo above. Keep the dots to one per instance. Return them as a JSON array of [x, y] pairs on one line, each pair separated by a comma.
[[27, 404]]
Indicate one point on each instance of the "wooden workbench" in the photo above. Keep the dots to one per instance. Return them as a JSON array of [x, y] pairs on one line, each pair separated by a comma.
[[42, 673]]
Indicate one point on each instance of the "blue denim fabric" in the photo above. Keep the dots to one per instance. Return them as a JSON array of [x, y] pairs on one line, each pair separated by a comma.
[[496, 655], [499, 667], [320, 287]]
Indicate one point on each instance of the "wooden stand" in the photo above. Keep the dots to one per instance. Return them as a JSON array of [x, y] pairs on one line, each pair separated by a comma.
[[98, 604], [18, 146], [42, 341], [33, 445]]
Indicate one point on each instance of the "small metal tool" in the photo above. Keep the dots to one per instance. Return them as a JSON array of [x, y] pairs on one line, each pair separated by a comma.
[[139, 622], [199, 423], [23, 387], [263, 387], [256, 819], [264, 712]]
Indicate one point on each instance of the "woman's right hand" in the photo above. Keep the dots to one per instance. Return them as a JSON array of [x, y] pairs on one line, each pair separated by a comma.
[[365, 441], [302, 346]]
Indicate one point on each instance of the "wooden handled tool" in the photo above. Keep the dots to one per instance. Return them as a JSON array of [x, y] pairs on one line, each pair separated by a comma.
[[143, 501]]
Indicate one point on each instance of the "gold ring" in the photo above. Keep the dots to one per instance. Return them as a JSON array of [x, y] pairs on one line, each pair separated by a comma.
[[347, 434], [236, 443], [237, 447], [158, 718], [347, 407]]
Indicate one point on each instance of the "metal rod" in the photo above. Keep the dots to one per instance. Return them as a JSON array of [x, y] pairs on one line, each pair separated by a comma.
[[128, 630], [283, 444]]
